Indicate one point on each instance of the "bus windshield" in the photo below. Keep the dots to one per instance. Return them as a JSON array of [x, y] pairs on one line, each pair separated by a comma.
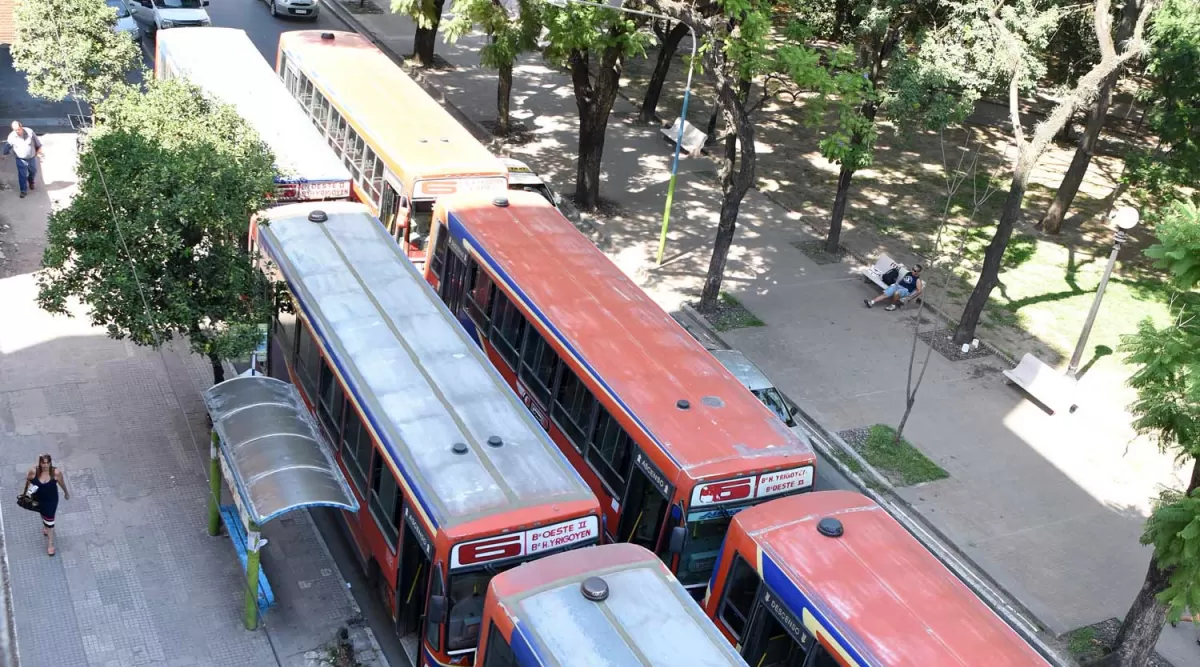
[[422, 221], [467, 591], [706, 531]]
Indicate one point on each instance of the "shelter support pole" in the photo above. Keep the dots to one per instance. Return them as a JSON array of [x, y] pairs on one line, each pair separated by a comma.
[[214, 483], [253, 543]]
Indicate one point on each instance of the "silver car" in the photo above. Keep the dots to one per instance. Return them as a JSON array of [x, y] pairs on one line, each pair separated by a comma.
[[125, 22], [757, 382], [304, 9]]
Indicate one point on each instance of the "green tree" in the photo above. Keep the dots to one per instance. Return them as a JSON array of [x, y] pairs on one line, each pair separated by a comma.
[[1165, 173], [592, 43], [739, 45], [69, 47], [154, 243], [1052, 221], [1004, 42], [1167, 408], [508, 37], [427, 14]]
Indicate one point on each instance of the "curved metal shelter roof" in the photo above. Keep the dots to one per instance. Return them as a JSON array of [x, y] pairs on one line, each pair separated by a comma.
[[276, 457]]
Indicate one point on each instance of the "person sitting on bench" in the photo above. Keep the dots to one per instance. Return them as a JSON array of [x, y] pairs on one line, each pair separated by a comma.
[[908, 287]]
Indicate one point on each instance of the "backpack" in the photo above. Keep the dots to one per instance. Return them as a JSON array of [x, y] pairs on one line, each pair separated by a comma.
[[890, 276]]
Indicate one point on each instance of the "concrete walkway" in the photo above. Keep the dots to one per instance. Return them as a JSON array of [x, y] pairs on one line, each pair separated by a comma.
[[1050, 507], [137, 580]]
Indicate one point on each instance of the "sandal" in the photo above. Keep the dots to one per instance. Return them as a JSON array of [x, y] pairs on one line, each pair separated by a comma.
[[50, 551]]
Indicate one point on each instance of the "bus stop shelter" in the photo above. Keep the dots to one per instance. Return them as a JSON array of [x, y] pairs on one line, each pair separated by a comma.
[[275, 459]]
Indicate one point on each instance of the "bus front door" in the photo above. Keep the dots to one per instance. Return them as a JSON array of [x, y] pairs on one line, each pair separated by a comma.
[[643, 513], [411, 587]]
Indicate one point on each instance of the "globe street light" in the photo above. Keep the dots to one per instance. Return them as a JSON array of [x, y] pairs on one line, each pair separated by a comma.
[[1126, 218], [687, 89]]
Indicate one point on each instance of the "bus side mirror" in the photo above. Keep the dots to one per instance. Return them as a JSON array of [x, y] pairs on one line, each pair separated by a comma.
[[675, 542], [437, 609]]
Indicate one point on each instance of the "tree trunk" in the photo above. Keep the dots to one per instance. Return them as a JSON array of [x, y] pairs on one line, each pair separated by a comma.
[[990, 274], [1052, 221], [595, 102], [503, 98], [670, 44], [426, 38], [217, 367], [711, 131], [1144, 621], [834, 239], [737, 175]]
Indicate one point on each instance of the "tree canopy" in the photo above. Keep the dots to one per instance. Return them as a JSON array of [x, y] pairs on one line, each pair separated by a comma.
[[69, 47], [154, 243]]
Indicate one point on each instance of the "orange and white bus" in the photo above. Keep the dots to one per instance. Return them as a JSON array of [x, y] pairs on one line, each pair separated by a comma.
[[612, 605], [672, 444], [224, 63], [459, 481], [403, 149], [830, 579]]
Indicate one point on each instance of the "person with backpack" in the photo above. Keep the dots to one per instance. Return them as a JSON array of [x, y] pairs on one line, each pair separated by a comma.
[[908, 287]]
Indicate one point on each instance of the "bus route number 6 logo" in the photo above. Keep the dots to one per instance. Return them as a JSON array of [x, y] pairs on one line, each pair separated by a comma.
[[728, 491]]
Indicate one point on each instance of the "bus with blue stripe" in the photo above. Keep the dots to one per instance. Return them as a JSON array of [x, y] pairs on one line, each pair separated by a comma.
[[615, 605], [458, 481], [831, 579], [668, 439]]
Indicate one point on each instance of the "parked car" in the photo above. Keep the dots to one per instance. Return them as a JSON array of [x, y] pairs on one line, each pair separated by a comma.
[[757, 382], [154, 15], [306, 9], [521, 177], [125, 22]]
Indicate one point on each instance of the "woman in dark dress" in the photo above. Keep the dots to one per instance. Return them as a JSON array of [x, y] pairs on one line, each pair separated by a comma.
[[43, 483]]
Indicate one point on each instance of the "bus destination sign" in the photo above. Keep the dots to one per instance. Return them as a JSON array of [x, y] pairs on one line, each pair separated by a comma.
[[526, 543], [762, 486], [449, 186]]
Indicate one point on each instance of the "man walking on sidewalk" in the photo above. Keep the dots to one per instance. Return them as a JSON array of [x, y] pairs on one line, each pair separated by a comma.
[[27, 148]]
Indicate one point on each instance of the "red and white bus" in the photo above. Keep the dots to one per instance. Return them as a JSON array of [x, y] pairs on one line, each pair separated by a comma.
[[669, 440], [459, 481], [830, 579], [610, 605]]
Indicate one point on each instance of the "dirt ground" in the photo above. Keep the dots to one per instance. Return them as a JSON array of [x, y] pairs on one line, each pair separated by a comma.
[[896, 206]]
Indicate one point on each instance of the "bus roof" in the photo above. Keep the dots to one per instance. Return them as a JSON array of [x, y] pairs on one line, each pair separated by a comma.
[[894, 601], [632, 348], [371, 89], [224, 63], [647, 618], [423, 386]]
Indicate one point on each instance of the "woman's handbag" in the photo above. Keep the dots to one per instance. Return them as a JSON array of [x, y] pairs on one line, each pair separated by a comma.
[[26, 501]]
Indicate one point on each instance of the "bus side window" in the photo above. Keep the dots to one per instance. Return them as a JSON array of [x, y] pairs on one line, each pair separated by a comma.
[[740, 591], [433, 626], [498, 653]]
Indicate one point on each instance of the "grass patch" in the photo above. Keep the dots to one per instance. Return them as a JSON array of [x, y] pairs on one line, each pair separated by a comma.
[[900, 462], [729, 314], [1082, 644]]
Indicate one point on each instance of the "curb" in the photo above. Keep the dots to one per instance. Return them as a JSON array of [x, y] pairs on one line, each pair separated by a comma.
[[878, 488]]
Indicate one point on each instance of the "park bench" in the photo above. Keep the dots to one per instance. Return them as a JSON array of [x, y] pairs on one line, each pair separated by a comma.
[[237, 533], [693, 138], [874, 274], [1045, 384]]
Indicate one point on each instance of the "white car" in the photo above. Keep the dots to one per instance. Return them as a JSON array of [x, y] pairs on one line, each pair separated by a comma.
[[154, 15], [125, 22], [305, 9]]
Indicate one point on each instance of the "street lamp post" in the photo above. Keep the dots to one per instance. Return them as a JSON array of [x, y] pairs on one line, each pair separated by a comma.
[[687, 90], [1125, 218]]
